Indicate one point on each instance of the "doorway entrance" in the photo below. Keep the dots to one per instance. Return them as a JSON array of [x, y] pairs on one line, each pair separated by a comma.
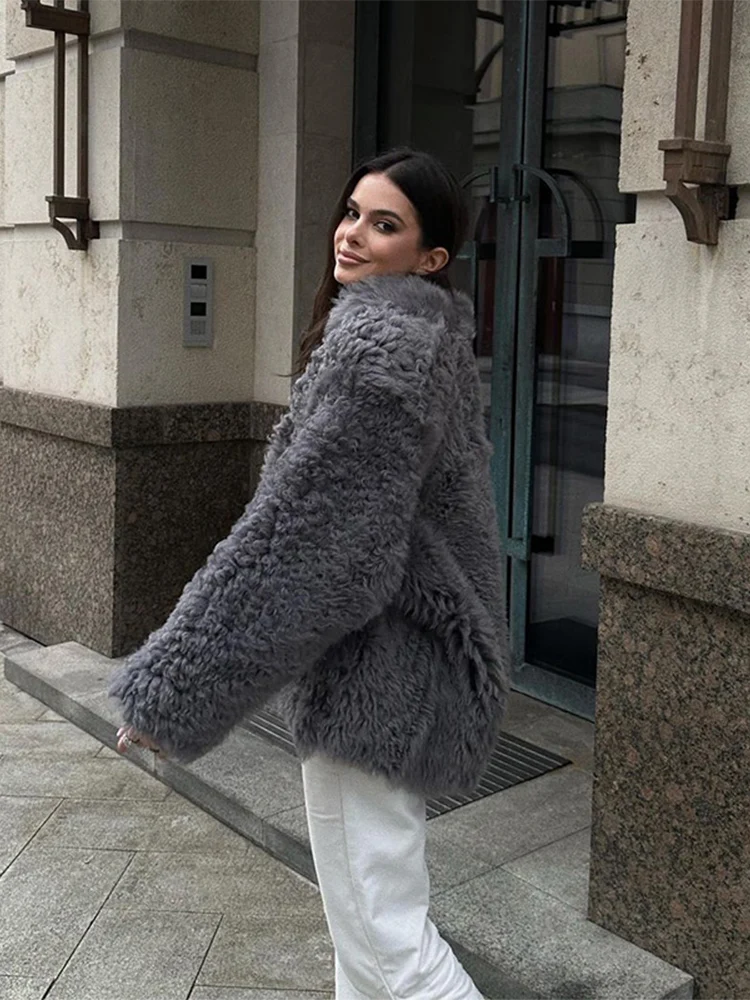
[[522, 99]]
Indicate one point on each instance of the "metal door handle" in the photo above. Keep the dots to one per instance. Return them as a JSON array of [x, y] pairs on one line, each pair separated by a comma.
[[474, 250], [585, 248], [555, 246]]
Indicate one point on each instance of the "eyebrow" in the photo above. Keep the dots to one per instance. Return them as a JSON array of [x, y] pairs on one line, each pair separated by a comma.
[[377, 211]]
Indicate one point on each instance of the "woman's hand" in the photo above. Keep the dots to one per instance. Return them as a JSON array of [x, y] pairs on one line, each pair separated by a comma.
[[128, 736]]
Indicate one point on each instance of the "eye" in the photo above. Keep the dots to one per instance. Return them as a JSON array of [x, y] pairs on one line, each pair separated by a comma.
[[382, 225]]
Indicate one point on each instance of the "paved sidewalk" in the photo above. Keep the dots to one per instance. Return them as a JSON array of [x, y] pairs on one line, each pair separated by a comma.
[[113, 887]]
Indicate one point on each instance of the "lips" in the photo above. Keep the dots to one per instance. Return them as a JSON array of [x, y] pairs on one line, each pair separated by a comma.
[[350, 257]]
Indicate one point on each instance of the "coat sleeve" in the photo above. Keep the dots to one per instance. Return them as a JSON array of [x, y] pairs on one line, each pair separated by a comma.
[[319, 551]]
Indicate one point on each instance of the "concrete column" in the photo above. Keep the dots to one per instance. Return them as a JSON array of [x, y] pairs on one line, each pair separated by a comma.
[[306, 68], [6, 231], [670, 858], [217, 128], [124, 456]]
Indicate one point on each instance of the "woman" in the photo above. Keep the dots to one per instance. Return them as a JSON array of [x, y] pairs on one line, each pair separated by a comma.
[[362, 584]]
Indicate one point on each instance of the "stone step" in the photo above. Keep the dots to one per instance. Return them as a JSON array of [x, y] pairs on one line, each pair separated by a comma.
[[516, 940]]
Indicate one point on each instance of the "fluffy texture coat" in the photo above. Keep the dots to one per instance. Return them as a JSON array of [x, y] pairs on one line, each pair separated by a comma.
[[363, 583]]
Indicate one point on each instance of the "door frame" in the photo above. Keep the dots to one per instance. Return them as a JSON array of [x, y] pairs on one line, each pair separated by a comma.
[[513, 391]]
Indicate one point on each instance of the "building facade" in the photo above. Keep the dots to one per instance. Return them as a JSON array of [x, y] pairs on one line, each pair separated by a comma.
[[140, 376]]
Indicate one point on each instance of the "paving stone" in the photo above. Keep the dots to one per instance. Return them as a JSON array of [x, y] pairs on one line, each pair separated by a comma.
[[20, 818], [276, 951], [516, 821], [21, 988], [68, 670], [550, 948], [287, 837], [73, 681], [293, 821], [448, 866], [154, 956], [101, 705], [221, 993], [78, 777], [16, 705], [49, 716], [249, 884], [551, 728], [560, 869], [34, 739], [47, 900], [255, 956], [9, 639], [130, 825], [276, 783]]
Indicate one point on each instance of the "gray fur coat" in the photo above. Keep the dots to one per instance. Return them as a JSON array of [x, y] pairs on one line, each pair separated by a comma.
[[362, 585]]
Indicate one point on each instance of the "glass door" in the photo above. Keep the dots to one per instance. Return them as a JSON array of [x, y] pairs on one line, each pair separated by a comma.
[[522, 99], [557, 205], [582, 101]]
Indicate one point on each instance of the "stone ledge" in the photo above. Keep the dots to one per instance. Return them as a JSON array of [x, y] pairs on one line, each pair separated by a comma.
[[135, 426], [659, 553], [537, 947]]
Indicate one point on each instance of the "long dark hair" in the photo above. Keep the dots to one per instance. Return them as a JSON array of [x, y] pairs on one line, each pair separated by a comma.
[[440, 208]]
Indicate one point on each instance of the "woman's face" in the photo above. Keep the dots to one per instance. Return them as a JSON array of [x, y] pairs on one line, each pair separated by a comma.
[[380, 234]]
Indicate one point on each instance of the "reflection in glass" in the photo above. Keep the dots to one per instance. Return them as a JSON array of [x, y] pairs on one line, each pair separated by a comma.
[[488, 75], [585, 68]]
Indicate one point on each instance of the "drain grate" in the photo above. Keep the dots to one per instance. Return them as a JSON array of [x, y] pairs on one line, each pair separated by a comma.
[[512, 761]]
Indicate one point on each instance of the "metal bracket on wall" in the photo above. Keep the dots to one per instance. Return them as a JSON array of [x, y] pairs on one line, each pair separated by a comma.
[[701, 163], [64, 22]]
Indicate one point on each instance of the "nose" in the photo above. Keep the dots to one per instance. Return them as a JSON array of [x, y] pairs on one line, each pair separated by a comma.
[[354, 233]]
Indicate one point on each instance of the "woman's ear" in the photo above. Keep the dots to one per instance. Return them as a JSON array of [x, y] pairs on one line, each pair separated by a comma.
[[433, 260]]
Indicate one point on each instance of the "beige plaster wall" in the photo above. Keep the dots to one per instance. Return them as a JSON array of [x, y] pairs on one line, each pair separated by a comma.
[[29, 136], [188, 164], [152, 364], [61, 305], [2, 152], [679, 392], [173, 174], [6, 67], [198, 148], [22, 41], [679, 396], [189, 141], [4, 244], [4, 233], [649, 99], [62, 309], [225, 24]]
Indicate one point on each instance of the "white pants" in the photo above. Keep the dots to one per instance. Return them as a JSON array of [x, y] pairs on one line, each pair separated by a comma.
[[368, 843]]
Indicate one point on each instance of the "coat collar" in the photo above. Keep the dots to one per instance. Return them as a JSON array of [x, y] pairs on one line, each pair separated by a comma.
[[413, 295]]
